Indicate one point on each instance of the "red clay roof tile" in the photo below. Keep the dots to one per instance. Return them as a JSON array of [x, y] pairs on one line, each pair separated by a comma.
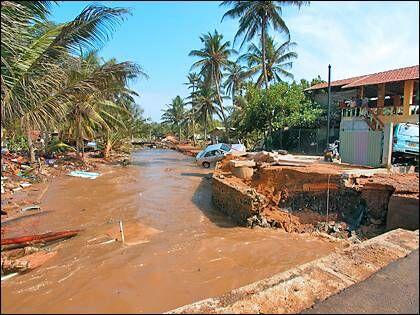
[[401, 74]]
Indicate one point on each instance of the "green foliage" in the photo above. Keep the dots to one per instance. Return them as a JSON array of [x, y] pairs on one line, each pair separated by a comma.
[[255, 19], [278, 60], [58, 146], [174, 115], [281, 105], [52, 78], [17, 144]]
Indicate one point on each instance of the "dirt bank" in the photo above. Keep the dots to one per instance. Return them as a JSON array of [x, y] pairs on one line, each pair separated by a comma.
[[301, 195], [179, 247]]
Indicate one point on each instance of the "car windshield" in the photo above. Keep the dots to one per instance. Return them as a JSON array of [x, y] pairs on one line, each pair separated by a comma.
[[409, 130], [210, 153], [225, 147]]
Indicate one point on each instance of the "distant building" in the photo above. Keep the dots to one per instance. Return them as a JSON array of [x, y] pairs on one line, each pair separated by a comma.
[[218, 134]]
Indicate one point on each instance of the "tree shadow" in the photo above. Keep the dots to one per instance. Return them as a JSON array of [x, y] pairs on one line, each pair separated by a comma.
[[146, 163], [202, 198], [168, 159], [196, 175], [23, 217]]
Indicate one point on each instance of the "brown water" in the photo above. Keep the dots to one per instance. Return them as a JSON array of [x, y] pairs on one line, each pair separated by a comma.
[[183, 250]]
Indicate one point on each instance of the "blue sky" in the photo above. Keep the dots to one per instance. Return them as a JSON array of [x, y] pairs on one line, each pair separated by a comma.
[[355, 37]]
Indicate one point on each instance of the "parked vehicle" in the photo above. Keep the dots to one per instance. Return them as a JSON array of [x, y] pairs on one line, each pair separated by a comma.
[[331, 152], [405, 142], [216, 152]]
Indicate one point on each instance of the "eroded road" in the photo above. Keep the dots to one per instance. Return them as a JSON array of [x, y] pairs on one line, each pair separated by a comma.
[[180, 249]]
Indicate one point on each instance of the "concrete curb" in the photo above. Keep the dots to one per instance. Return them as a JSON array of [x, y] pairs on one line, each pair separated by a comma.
[[301, 287]]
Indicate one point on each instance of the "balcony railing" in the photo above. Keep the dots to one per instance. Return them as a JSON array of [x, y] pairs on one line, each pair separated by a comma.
[[384, 111]]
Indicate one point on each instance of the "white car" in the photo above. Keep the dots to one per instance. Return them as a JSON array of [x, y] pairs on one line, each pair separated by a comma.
[[216, 152]]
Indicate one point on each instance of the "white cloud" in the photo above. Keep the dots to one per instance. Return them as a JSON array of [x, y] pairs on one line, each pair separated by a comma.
[[356, 38]]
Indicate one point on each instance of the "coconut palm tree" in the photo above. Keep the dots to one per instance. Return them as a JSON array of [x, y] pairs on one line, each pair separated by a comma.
[[278, 60], [100, 106], [214, 58], [193, 82], [207, 100], [235, 76], [36, 56], [255, 18], [175, 114]]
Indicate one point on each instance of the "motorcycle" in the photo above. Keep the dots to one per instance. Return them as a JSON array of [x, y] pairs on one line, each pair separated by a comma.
[[331, 152]]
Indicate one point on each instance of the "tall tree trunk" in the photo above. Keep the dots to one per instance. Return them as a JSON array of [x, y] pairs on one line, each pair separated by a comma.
[[30, 146], [193, 114], [193, 129], [78, 137], [1, 128], [225, 122], [79, 148], [46, 140], [263, 33], [107, 149], [205, 128], [233, 94], [179, 130], [83, 149], [27, 129]]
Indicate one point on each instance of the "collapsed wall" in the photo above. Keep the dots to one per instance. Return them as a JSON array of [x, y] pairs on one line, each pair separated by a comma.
[[236, 199], [295, 189], [302, 196]]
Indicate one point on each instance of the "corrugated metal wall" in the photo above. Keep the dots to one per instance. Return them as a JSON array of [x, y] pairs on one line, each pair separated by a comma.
[[362, 147]]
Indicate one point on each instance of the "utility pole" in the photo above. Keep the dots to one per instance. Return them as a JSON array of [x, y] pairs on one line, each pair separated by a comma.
[[329, 104]]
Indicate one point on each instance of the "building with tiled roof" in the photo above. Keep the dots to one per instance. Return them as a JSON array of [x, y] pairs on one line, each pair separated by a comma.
[[402, 74], [370, 106]]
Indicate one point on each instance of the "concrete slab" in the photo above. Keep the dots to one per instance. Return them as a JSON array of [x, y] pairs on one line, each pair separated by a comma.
[[245, 163], [362, 172]]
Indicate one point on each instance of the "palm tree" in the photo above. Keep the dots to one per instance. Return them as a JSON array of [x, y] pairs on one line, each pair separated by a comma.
[[236, 75], [175, 114], [98, 107], [206, 98], [193, 81], [36, 56], [214, 57], [256, 17], [278, 60]]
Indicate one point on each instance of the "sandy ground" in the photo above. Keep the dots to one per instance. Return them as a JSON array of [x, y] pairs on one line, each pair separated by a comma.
[[178, 249]]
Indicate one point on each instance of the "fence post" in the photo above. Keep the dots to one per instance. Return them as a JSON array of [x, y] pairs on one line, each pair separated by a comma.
[[387, 145], [299, 143], [317, 140]]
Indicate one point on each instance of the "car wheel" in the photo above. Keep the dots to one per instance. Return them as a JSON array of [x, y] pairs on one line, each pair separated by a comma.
[[206, 164]]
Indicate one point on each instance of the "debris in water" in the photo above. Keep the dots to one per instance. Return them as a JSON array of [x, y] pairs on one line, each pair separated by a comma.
[[107, 242], [3, 278], [122, 232], [83, 174], [32, 207], [22, 241], [25, 184]]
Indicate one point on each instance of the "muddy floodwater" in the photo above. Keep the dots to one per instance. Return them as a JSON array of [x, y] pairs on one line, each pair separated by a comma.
[[179, 249]]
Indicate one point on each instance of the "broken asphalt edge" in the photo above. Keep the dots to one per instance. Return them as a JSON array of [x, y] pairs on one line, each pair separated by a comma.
[[300, 288]]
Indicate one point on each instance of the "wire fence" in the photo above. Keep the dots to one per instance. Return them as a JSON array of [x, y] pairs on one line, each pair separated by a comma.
[[303, 141]]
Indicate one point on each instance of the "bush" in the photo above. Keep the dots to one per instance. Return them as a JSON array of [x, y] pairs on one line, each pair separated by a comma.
[[17, 144]]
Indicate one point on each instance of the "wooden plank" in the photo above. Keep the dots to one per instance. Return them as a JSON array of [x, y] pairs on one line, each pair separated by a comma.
[[26, 240]]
